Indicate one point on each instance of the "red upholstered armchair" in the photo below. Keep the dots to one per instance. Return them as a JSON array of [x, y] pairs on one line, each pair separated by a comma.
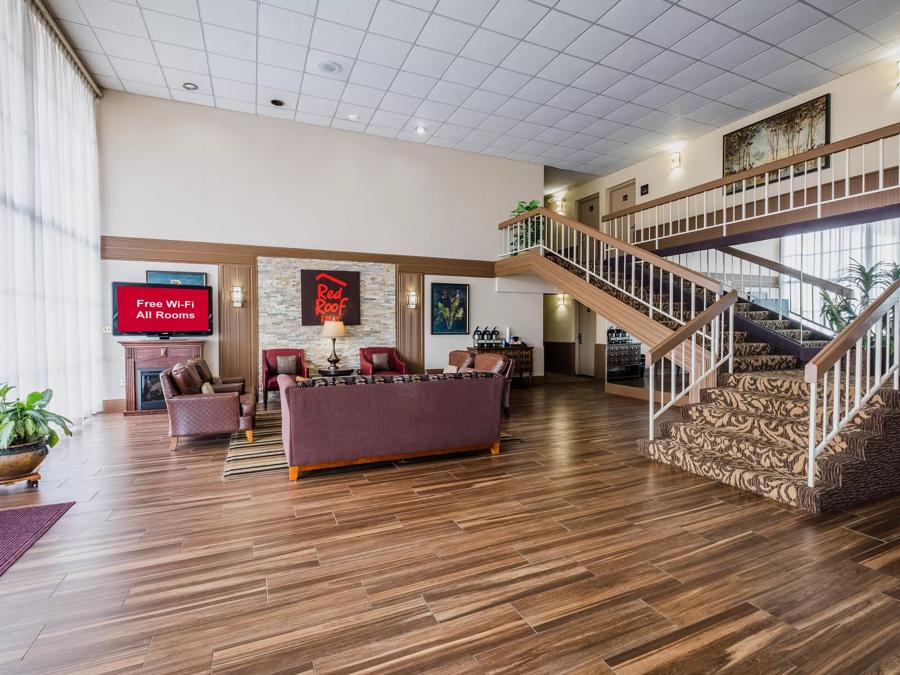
[[395, 365], [270, 369]]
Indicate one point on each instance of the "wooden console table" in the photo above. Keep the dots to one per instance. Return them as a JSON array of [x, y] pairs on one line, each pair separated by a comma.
[[152, 354], [523, 355]]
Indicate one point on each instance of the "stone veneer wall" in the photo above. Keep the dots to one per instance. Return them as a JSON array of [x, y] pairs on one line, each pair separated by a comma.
[[279, 310]]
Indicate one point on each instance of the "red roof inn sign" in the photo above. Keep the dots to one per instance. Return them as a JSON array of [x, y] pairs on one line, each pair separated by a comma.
[[326, 295]]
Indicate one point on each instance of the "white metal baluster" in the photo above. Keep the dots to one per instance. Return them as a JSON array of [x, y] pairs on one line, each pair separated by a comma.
[[836, 404], [652, 396], [847, 173], [896, 343], [819, 187], [650, 299], [811, 446], [857, 376]]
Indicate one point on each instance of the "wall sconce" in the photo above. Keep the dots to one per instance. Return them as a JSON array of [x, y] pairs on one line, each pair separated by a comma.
[[675, 160], [412, 299], [237, 296], [560, 200], [562, 299]]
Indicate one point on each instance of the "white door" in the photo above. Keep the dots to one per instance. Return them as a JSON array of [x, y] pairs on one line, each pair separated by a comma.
[[585, 340]]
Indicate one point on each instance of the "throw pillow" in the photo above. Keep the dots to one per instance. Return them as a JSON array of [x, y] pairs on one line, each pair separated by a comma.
[[450, 369], [186, 379], [286, 365], [207, 388], [381, 361]]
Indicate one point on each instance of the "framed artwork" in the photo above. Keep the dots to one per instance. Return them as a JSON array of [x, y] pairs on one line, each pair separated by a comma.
[[176, 278], [790, 132], [328, 295], [449, 309]]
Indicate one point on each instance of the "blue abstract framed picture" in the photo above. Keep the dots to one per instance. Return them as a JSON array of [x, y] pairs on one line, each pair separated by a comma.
[[176, 278], [449, 309]]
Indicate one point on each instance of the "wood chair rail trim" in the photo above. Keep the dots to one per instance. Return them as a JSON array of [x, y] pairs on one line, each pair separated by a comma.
[[844, 341], [837, 146], [661, 349], [629, 249]]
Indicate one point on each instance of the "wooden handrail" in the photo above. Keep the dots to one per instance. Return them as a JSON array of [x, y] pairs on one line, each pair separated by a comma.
[[789, 271], [821, 151], [640, 253], [662, 349], [844, 341]]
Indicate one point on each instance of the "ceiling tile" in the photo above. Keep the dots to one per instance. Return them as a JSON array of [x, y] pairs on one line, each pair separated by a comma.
[[658, 96], [671, 26], [539, 91], [485, 101], [335, 38], [237, 14], [578, 141], [810, 40], [468, 118], [571, 98], [631, 55], [790, 75], [547, 115], [763, 64], [432, 110], [384, 51], [135, 71], [736, 52], [282, 54], [450, 93], [310, 118], [663, 66], [595, 43], [372, 75], [747, 95], [144, 89], [467, 71], [97, 64], [693, 76], [235, 105], [182, 57], [598, 78], [264, 96], [237, 91], [472, 11], [381, 131], [886, 30], [125, 46], [705, 40], [721, 85], [348, 125], [398, 21], [316, 59], [586, 9], [565, 69], [575, 122], [353, 13], [711, 111], [629, 17], [321, 86], [427, 5], [797, 17], [390, 120], [67, 10], [528, 58], [231, 68], [445, 34], [514, 17], [278, 78], [176, 78], [627, 113], [303, 6], [600, 105], [412, 84], [193, 97], [503, 81], [844, 49], [452, 131], [288, 26], [601, 128], [81, 36], [229, 42], [517, 108], [557, 30], [400, 103], [174, 30], [360, 95], [488, 46], [425, 61], [114, 16], [629, 87], [747, 14], [866, 12]]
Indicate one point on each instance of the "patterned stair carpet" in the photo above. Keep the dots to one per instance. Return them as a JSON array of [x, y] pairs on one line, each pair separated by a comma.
[[751, 432], [21, 528], [266, 453]]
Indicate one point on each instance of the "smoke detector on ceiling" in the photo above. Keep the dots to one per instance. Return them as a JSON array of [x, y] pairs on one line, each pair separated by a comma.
[[330, 67]]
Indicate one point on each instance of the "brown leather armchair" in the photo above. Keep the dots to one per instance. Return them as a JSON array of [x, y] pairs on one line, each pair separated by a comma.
[[193, 413], [495, 363], [219, 384], [461, 359], [270, 369]]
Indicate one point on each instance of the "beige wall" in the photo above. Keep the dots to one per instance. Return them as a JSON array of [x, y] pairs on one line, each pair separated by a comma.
[[173, 170], [863, 100], [559, 320]]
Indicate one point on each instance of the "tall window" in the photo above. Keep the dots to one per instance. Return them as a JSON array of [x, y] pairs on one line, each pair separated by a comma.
[[49, 218]]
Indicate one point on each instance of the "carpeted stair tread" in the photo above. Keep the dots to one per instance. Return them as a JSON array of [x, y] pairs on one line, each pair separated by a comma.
[[752, 348], [740, 473], [765, 362]]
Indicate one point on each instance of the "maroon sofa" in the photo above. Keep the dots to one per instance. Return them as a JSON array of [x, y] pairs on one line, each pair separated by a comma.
[[327, 422]]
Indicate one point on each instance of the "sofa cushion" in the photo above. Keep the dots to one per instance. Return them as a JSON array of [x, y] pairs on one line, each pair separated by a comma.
[[186, 379], [286, 365], [207, 388], [387, 379], [381, 361]]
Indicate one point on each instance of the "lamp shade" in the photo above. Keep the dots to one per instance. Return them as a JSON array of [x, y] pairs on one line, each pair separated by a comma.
[[333, 329]]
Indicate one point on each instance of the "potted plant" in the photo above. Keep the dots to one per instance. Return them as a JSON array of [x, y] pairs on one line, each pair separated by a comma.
[[26, 433], [527, 236]]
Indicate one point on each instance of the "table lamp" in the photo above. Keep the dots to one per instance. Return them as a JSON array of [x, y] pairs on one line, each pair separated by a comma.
[[333, 329]]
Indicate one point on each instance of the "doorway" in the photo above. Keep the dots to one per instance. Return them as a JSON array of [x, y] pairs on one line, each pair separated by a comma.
[[585, 341], [589, 211], [621, 196]]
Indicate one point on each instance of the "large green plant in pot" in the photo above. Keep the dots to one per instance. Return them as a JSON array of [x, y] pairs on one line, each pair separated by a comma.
[[27, 431], [526, 236]]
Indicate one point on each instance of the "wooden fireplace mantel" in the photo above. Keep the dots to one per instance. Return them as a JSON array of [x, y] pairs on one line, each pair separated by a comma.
[[140, 354]]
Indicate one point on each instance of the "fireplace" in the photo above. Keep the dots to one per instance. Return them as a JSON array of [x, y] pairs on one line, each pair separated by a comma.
[[149, 389]]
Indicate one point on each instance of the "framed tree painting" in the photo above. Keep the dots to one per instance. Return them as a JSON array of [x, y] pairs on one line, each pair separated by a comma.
[[790, 132], [176, 278], [449, 309]]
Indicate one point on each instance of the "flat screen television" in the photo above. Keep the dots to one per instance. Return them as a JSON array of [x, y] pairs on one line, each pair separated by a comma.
[[161, 310]]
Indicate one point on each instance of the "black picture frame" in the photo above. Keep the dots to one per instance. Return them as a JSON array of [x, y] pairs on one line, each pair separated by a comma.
[[449, 309], [166, 277]]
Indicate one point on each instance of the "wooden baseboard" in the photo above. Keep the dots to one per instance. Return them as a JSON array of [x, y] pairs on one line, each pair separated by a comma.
[[113, 405]]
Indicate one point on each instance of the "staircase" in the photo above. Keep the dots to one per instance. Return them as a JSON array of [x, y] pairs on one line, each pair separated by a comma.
[[751, 432]]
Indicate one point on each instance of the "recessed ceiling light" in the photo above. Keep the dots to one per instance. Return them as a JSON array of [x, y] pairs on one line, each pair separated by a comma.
[[421, 129], [352, 117], [190, 86], [330, 67], [277, 102]]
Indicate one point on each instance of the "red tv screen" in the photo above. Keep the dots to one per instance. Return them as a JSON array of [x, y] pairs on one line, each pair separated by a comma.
[[160, 309]]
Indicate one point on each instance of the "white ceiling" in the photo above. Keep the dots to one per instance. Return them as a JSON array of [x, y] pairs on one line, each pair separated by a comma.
[[585, 85]]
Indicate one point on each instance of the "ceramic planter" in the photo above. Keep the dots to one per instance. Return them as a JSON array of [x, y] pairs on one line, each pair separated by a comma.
[[21, 460]]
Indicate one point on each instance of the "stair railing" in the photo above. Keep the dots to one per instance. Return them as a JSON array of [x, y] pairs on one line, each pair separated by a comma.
[[759, 280], [860, 360], [807, 182], [641, 275], [705, 343]]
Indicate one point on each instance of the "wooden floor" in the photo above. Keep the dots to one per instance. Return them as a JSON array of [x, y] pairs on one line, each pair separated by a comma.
[[567, 553]]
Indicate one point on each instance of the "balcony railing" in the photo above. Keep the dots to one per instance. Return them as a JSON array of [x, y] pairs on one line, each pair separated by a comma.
[[811, 183]]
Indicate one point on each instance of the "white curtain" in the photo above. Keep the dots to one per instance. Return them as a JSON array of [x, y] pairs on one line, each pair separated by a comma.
[[50, 326]]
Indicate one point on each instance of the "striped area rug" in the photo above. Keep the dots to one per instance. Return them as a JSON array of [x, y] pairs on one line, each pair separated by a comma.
[[266, 453]]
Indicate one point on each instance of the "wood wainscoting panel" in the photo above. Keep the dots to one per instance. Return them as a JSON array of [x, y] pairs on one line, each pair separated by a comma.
[[411, 322], [600, 363], [238, 325], [559, 357]]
